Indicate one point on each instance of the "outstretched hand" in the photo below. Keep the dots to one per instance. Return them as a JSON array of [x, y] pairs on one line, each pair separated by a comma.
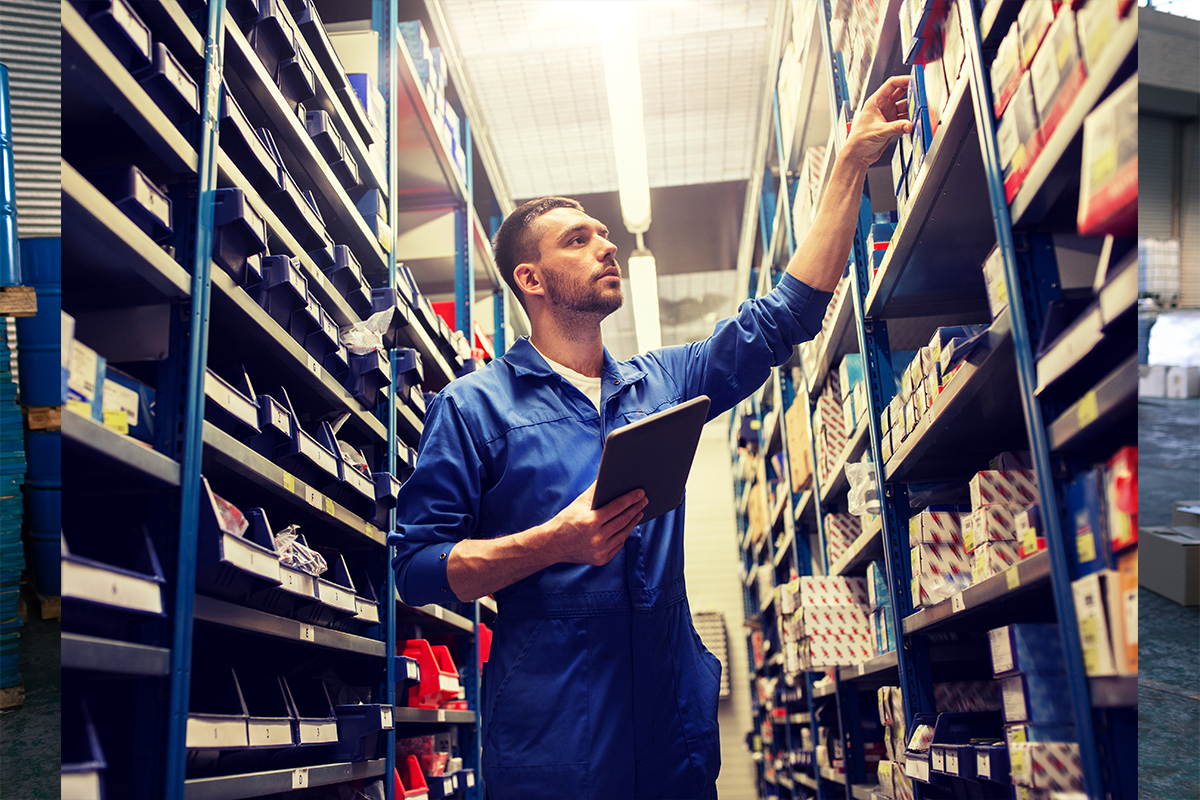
[[883, 116], [583, 535]]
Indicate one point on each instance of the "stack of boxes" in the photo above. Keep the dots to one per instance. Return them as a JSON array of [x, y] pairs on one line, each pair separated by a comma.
[[853, 33], [1004, 504], [841, 530], [808, 190], [1028, 661], [893, 782], [939, 565], [799, 443], [12, 554], [829, 428], [829, 622], [880, 238], [879, 602], [1102, 503], [432, 71], [853, 390]]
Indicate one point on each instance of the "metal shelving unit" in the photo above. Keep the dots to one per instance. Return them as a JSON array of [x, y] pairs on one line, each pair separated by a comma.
[[115, 270], [1068, 405]]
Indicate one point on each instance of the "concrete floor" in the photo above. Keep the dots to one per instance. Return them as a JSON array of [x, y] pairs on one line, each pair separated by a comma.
[[1169, 634], [29, 734]]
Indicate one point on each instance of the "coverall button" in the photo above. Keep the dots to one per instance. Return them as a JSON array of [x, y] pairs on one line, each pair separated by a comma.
[[616, 383], [443, 588], [442, 556]]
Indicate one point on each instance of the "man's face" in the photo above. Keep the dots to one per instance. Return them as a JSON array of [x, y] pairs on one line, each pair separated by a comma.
[[578, 264]]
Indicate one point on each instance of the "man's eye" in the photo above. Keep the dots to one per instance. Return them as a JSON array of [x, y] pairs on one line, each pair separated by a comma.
[[577, 240]]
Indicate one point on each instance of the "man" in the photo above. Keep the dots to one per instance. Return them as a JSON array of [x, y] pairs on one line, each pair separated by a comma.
[[597, 685]]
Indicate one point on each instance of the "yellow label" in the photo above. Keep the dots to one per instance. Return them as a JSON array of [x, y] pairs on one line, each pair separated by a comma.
[[289, 482], [968, 534], [329, 506], [1029, 540], [1019, 734], [1064, 51], [117, 420], [1104, 165], [1085, 546], [1012, 578], [1088, 409], [80, 407], [1089, 638]]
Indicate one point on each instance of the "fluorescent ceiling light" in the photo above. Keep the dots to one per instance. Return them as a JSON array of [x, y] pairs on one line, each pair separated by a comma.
[[643, 286], [623, 80]]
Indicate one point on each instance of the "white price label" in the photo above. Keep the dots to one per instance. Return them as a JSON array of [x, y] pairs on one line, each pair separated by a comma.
[[314, 366], [306, 633], [441, 715], [320, 277], [312, 496], [957, 603], [862, 667], [300, 778]]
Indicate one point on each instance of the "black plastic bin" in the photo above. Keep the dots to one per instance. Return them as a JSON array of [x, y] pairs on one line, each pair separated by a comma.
[[127, 36], [110, 584], [170, 86], [232, 565], [230, 407], [296, 587], [272, 38], [368, 377], [246, 147], [296, 79], [274, 425], [283, 291], [239, 232]]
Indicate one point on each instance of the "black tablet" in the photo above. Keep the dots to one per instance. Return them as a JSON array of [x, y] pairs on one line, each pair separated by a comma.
[[653, 454]]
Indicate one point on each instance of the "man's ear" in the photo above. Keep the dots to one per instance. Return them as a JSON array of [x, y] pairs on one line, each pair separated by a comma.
[[528, 279]]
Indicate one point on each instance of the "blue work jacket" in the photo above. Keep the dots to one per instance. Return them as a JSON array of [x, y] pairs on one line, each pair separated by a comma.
[[598, 685]]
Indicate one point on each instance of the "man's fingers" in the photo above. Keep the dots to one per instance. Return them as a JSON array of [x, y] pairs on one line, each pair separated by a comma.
[[622, 520], [893, 86], [899, 127], [619, 505]]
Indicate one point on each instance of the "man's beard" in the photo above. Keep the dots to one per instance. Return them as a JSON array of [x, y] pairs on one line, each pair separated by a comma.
[[581, 300]]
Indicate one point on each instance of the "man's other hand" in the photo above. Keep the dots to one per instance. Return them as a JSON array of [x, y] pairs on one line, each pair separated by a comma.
[[583, 535], [883, 116]]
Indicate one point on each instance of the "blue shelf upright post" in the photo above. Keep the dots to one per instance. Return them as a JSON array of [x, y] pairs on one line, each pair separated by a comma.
[[1021, 272], [464, 253], [499, 323], [383, 21], [193, 409]]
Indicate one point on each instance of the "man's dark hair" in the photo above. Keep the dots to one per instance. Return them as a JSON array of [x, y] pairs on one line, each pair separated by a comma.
[[514, 243]]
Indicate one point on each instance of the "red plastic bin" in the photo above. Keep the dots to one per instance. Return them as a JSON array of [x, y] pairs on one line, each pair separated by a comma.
[[439, 677], [409, 782]]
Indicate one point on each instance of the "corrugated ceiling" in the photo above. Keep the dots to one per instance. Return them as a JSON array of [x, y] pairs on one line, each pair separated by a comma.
[[535, 68]]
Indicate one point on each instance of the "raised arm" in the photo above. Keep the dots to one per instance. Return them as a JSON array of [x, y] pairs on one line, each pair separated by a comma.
[[821, 257]]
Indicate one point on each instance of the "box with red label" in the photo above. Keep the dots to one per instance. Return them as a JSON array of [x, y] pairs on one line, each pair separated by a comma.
[[938, 570], [1096, 23], [992, 523], [954, 46], [935, 525], [825, 653], [847, 620], [1108, 180], [992, 558], [1058, 72], [1095, 639], [1033, 20], [821, 590], [1047, 765], [1018, 137], [1123, 612], [1086, 523], [1006, 70], [1016, 487], [1027, 549]]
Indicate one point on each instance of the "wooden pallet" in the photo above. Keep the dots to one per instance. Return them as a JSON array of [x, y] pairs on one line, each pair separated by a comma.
[[13, 696], [18, 301], [51, 605], [43, 418]]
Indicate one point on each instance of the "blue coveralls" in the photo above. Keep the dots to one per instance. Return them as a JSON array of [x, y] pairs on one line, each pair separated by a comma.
[[598, 685]]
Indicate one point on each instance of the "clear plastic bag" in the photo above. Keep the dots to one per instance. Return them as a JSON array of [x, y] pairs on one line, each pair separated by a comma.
[[863, 496], [293, 553], [367, 336]]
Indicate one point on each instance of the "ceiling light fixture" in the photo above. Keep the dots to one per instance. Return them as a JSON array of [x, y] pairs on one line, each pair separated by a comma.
[[623, 80], [643, 288]]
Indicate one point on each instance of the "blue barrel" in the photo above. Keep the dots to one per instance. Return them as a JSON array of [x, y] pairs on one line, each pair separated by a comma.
[[39, 345], [10, 255], [46, 552], [43, 482]]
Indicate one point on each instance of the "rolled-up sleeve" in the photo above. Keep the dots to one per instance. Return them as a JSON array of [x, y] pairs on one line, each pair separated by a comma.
[[438, 505], [733, 362]]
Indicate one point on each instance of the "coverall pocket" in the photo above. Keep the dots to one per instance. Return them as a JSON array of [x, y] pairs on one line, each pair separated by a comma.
[[537, 728], [698, 682]]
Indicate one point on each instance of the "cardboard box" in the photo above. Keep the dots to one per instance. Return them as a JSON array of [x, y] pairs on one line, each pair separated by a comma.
[[1090, 593], [1172, 563], [938, 571], [1027, 732], [997, 285], [829, 622], [877, 591], [1026, 647], [1016, 487], [1096, 23], [1087, 520], [992, 523], [1123, 612], [1056, 766], [1043, 698], [850, 372], [966, 696], [820, 590], [1109, 172], [1033, 20], [1058, 72], [993, 557], [85, 383], [1006, 70], [954, 46], [1018, 137], [885, 631], [129, 405], [935, 525]]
